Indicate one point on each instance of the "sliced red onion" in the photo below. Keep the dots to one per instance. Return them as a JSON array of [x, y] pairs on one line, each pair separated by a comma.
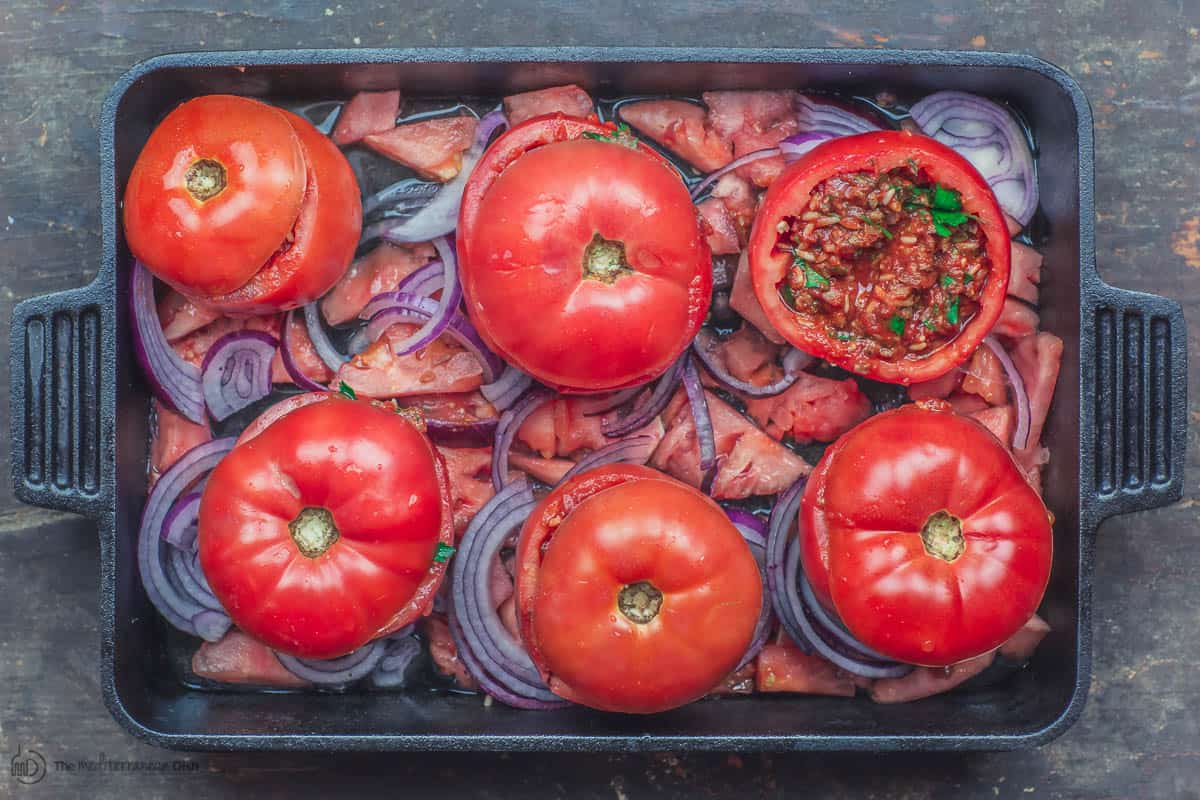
[[441, 215], [1021, 404], [183, 559], [332, 357], [705, 436], [795, 146], [506, 389], [335, 671], [819, 115], [461, 434], [831, 628], [489, 684], [414, 309], [602, 404], [640, 415], [794, 363], [500, 655], [162, 584], [510, 422], [741, 161], [754, 532], [784, 601], [182, 575], [179, 526], [753, 529], [237, 371], [630, 450], [407, 195], [446, 307], [173, 380], [287, 356], [987, 135], [398, 657]]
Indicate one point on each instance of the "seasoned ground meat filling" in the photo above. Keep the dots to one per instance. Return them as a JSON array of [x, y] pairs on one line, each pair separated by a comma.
[[890, 261]]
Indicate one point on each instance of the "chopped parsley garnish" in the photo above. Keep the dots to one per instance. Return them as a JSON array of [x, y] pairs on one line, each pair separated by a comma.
[[622, 136], [877, 226], [843, 336], [897, 324], [812, 278], [929, 326], [943, 205], [952, 312], [789, 296], [443, 553], [967, 278], [947, 281], [946, 199], [345, 389]]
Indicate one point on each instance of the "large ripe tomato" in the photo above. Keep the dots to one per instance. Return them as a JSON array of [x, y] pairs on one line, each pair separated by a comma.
[[635, 593], [915, 305], [322, 532], [214, 192], [582, 261], [938, 548], [321, 244]]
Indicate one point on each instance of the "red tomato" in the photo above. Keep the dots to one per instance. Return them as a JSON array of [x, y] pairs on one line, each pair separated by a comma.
[[879, 153], [322, 241], [320, 533], [635, 593], [215, 190], [602, 240], [938, 549]]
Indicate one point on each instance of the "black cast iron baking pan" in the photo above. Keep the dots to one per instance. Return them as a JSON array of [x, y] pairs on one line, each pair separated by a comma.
[[1116, 430]]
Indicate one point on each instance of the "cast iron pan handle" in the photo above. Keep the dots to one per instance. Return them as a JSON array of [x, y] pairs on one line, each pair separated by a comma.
[[1138, 385], [59, 441]]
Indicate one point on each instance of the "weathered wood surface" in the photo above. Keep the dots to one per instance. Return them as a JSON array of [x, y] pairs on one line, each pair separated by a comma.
[[1138, 60]]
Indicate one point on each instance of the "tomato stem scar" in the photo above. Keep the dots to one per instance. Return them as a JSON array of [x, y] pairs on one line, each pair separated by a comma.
[[942, 536], [205, 179], [604, 260], [313, 531], [640, 602]]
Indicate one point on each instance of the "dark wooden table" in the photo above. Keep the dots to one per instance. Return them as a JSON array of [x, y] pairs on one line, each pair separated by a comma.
[[1137, 60]]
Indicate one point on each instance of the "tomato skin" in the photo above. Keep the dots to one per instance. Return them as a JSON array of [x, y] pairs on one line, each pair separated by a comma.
[[325, 235], [883, 482], [614, 527], [877, 152], [354, 460], [530, 212], [215, 245]]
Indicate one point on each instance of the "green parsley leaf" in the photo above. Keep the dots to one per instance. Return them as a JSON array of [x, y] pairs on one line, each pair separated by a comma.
[[345, 389], [622, 136], [814, 279], [943, 221], [967, 278], [443, 553], [789, 296], [929, 326], [946, 199], [952, 312], [877, 226], [897, 324], [947, 281], [843, 336]]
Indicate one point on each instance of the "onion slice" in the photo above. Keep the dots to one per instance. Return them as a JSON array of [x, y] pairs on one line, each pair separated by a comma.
[[507, 389], [818, 115], [237, 372], [335, 671], [398, 657], [332, 357], [287, 356], [1024, 411], [740, 161], [640, 415], [753, 531], [447, 306], [415, 309], [986, 134], [440, 217], [164, 589], [779, 532], [173, 380], [603, 403], [794, 363], [510, 422], [797, 145], [631, 450], [705, 436]]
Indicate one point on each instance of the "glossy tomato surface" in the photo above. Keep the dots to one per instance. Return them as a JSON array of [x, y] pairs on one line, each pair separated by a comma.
[[317, 250], [876, 153], [635, 592], [214, 192], [938, 548], [320, 533], [582, 261]]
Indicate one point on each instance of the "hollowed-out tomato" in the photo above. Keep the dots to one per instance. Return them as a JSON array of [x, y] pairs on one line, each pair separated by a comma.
[[884, 253], [926, 538], [328, 527], [581, 255], [635, 593]]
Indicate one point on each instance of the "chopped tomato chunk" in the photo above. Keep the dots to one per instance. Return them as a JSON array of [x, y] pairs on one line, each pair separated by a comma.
[[237, 658], [365, 114], [470, 473], [304, 355], [682, 128], [569, 100], [1026, 272], [967, 404], [928, 681], [738, 196], [432, 147], [379, 271], [546, 470], [1000, 420], [720, 230], [754, 120], [1022, 644], [938, 388], [444, 652], [1038, 358], [195, 345], [179, 316], [560, 427], [783, 667], [985, 377], [744, 301], [441, 366], [1017, 320], [811, 409], [171, 436]]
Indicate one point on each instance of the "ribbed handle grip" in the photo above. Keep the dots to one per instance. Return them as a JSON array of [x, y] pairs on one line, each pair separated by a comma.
[[56, 383], [1139, 415]]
